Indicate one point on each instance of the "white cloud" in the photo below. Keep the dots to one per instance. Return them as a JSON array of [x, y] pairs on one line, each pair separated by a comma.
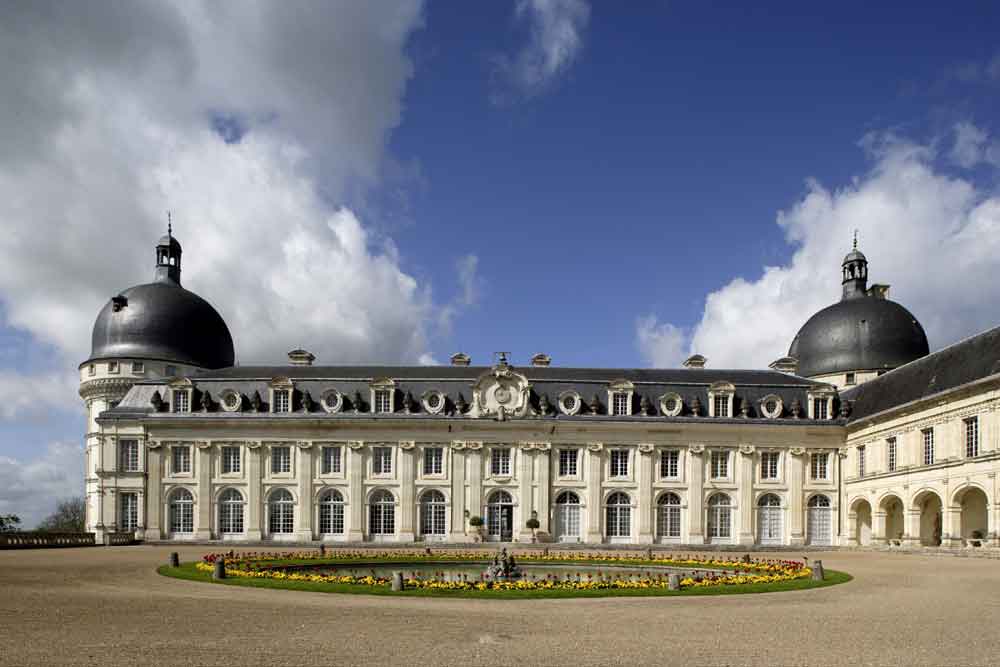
[[933, 236], [26, 395], [973, 147], [556, 37], [661, 344], [468, 280], [31, 489]]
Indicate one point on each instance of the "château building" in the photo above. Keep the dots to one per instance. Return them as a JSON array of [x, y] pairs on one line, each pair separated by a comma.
[[858, 436]]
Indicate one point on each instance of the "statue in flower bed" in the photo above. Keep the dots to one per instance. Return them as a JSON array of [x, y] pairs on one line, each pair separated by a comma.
[[503, 567]]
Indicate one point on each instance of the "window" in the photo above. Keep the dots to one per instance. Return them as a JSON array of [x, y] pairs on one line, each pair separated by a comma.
[[669, 460], [128, 451], [850, 379], [92, 369], [769, 465], [281, 460], [182, 400], [138, 367], [861, 461], [972, 437], [500, 461], [818, 466], [619, 514], [567, 462], [182, 512], [721, 404], [282, 400], [432, 513], [928, 434], [619, 463], [567, 516], [169, 370], [383, 400], [382, 514], [281, 512], [819, 526], [230, 460], [720, 464], [433, 461], [890, 454], [668, 515], [620, 403], [181, 459], [819, 408], [231, 512], [719, 517], [331, 511], [331, 461], [129, 515], [112, 367], [381, 460]]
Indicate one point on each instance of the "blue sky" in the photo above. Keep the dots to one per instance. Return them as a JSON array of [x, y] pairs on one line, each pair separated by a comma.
[[614, 184]]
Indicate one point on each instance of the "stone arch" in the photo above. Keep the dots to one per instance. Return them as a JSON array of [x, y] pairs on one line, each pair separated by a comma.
[[973, 506], [860, 518], [926, 503], [894, 525]]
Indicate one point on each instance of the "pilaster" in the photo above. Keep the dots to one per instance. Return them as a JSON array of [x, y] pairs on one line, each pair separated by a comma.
[[526, 464], [745, 512], [154, 485], [304, 474], [644, 463], [795, 467], [203, 464], [458, 508], [356, 472], [543, 490], [474, 461], [595, 501], [406, 493], [695, 460], [254, 519]]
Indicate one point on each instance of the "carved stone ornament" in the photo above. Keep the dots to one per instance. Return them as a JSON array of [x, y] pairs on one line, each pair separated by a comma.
[[458, 444], [307, 402], [474, 445], [746, 449], [696, 407], [256, 402], [333, 400], [796, 409], [671, 404], [407, 444], [206, 401], [697, 448], [845, 409], [156, 400], [304, 444], [153, 444], [842, 452], [501, 392], [356, 402], [646, 448], [595, 446], [544, 407], [355, 444], [203, 444], [461, 405], [744, 408], [408, 403], [644, 406], [595, 404], [797, 451], [254, 444]]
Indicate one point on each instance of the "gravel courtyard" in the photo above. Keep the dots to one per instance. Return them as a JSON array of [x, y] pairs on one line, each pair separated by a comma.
[[109, 606]]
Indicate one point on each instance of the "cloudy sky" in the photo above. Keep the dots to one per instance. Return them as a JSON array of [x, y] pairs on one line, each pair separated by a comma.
[[613, 184]]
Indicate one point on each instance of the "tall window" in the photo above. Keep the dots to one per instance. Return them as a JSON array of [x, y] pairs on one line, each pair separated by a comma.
[[567, 462], [721, 405], [850, 379], [231, 512], [668, 515], [620, 403], [182, 512], [381, 460], [433, 461], [500, 461], [928, 434], [818, 466], [382, 514], [331, 460], [331, 513], [129, 515], [972, 437], [819, 408], [230, 460], [181, 459], [432, 513], [890, 454], [567, 516], [861, 461], [282, 400], [182, 400], [619, 463], [383, 400], [128, 452], [819, 523], [719, 517], [619, 515], [720, 464], [281, 512], [769, 465], [281, 460], [669, 460], [112, 367]]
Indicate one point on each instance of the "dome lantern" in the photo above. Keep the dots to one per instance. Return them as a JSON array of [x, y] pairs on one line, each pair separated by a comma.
[[855, 267], [168, 257]]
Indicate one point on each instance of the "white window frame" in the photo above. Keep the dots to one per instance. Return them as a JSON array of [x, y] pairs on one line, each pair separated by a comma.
[[617, 458], [669, 517], [281, 400], [181, 454], [770, 466], [723, 456], [666, 465], [331, 513], [128, 510], [826, 397], [227, 458], [381, 402], [231, 520], [433, 515], [971, 425], [501, 461], [620, 395], [891, 454], [819, 466], [433, 455], [180, 513], [129, 457], [724, 392], [286, 457], [572, 458], [861, 460], [927, 438], [180, 400], [328, 456], [382, 463], [282, 522]]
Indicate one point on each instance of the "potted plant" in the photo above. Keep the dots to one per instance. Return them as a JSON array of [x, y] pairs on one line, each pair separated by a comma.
[[533, 524], [976, 539], [477, 527]]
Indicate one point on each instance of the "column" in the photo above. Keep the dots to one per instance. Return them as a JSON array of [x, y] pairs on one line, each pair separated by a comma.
[[474, 454], [254, 506], [407, 501], [951, 530], [695, 460], [911, 528], [878, 527], [456, 467], [203, 449], [154, 503], [744, 491], [304, 474], [525, 468], [795, 466], [543, 492], [644, 461], [595, 503], [355, 477]]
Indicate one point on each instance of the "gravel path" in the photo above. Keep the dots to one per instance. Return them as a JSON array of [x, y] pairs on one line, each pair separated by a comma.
[[107, 605]]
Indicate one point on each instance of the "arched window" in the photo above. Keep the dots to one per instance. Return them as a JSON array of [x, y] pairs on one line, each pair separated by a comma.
[[668, 516], [281, 515], [720, 518], [619, 516], [182, 512], [567, 517], [500, 516], [432, 513], [818, 526], [231, 512], [769, 523], [382, 514], [331, 513]]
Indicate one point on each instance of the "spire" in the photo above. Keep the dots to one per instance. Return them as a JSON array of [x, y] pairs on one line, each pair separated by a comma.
[[168, 256], [855, 280]]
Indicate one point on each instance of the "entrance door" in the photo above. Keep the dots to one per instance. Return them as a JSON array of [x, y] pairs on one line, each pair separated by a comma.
[[500, 517], [567, 517], [819, 529], [769, 529]]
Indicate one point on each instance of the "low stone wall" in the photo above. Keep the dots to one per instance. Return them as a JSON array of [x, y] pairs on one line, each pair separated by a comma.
[[45, 540], [119, 539]]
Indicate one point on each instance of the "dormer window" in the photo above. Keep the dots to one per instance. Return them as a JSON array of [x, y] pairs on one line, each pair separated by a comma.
[[720, 399], [721, 406], [821, 403], [819, 408], [383, 396], [771, 406], [383, 401], [138, 368], [282, 400], [181, 400], [620, 403], [620, 398]]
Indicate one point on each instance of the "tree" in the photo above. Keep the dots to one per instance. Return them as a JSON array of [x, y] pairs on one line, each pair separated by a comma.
[[9, 523], [69, 517]]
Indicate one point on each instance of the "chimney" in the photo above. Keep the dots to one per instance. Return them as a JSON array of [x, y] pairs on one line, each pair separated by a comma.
[[301, 358], [785, 365], [695, 361], [541, 359], [879, 291], [460, 359]]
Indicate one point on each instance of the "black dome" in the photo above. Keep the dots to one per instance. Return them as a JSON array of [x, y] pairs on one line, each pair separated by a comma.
[[162, 320], [862, 333]]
